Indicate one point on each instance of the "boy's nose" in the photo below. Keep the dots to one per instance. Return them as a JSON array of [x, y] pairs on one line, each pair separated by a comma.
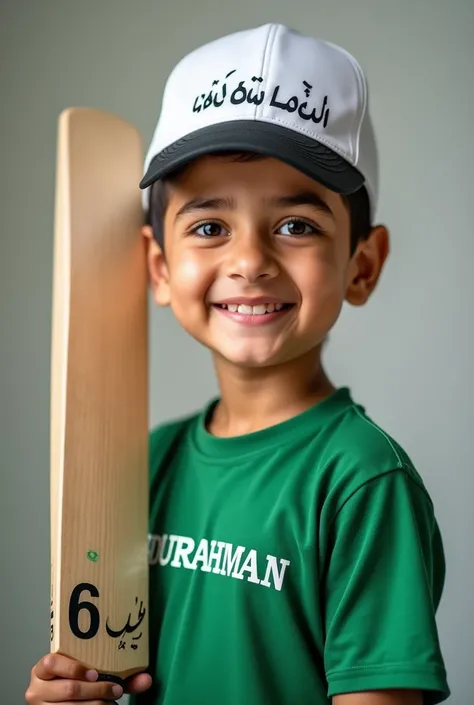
[[251, 259]]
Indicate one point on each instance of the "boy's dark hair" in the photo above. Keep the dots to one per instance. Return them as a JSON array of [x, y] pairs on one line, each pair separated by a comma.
[[357, 203]]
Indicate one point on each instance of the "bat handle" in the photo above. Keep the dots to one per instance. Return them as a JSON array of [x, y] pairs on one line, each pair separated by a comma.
[[111, 679]]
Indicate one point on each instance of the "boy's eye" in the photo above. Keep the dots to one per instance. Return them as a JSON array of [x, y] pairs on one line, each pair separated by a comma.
[[297, 227], [209, 229]]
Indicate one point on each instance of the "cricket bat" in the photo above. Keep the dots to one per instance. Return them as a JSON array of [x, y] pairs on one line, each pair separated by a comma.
[[99, 402]]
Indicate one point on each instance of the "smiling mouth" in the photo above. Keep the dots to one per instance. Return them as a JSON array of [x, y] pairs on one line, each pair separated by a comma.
[[258, 310]]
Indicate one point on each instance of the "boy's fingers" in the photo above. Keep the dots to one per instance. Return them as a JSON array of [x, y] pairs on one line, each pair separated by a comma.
[[57, 666], [138, 683], [71, 691]]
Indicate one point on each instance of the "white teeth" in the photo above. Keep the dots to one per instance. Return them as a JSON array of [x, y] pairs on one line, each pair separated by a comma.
[[242, 308], [258, 310]]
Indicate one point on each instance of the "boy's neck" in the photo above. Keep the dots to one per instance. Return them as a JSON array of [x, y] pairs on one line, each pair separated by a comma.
[[254, 399]]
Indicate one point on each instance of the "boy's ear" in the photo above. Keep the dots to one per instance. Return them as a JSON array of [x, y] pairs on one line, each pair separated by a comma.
[[157, 268], [366, 265]]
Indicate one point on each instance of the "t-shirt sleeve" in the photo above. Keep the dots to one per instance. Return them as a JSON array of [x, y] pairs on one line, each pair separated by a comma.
[[382, 586]]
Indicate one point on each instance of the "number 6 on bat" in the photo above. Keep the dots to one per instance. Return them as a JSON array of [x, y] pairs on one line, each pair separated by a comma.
[[99, 398]]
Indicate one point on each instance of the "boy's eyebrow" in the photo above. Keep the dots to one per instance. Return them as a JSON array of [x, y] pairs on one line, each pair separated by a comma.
[[200, 204], [301, 198]]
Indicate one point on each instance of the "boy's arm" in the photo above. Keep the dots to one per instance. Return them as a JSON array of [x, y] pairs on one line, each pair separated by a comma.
[[380, 697], [381, 587]]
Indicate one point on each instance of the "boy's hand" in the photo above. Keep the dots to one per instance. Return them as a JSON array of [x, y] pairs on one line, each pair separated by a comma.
[[58, 679]]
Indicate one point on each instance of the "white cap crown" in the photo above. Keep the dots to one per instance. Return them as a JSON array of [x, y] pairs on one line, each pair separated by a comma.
[[299, 96]]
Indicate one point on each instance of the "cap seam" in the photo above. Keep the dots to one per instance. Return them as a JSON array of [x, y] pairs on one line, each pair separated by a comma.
[[264, 70], [363, 90]]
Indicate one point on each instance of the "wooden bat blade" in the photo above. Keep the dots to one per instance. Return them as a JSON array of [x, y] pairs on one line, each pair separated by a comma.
[[99, 398]]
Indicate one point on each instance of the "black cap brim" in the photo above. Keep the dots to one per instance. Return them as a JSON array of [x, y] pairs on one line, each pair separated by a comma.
[[299, 151]]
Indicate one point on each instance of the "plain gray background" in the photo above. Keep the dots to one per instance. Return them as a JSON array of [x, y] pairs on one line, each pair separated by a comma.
[[407, 356]]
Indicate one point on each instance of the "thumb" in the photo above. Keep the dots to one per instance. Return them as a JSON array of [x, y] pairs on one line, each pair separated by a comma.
[[139, 683]]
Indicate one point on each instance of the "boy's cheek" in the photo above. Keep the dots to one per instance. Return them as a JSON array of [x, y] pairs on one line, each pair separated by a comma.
[[324, 285], [322, 302], [188, 272], [191, 284]]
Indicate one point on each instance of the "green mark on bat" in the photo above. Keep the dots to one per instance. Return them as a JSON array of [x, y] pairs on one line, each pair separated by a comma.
[[93, 556]]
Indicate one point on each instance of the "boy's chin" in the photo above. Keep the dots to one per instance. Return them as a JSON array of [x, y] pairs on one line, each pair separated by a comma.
[[253, 358]]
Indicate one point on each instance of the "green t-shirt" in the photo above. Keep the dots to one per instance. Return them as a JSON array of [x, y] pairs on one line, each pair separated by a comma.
[[290, 564]]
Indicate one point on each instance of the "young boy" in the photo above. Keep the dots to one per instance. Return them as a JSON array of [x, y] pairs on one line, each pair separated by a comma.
[[295, 556]]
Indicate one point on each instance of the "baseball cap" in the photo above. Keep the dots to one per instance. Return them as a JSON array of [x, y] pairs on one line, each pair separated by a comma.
[[274, 91]]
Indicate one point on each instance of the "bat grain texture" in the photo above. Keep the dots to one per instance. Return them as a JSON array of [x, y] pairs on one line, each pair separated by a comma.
[[99, 398]]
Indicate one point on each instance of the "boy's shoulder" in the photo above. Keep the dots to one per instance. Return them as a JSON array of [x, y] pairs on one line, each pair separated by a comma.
[[163, 436], [165, 439], [359, 451], [347, 443]]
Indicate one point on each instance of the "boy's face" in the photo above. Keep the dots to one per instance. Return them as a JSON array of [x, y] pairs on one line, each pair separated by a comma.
[[259, 232]]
